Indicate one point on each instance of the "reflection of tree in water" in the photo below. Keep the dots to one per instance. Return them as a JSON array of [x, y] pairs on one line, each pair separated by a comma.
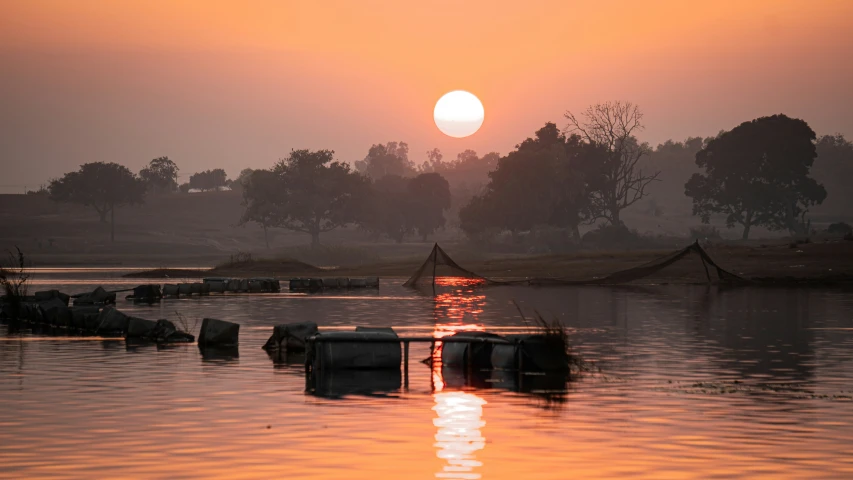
[[459, 418], [762, 332], [766, 333]]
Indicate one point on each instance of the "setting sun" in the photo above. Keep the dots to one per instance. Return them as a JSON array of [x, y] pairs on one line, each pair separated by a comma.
[[458, 113]]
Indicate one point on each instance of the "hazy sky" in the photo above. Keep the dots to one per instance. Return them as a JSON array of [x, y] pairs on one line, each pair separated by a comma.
[[234, 84]]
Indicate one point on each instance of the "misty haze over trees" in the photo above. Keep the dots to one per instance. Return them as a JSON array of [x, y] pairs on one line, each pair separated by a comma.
[[772, 172]]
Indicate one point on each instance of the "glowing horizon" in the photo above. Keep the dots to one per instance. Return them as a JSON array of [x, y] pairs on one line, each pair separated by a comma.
[[215, 84]]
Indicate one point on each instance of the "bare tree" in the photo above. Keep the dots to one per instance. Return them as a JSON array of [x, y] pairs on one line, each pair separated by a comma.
[[617, 183]]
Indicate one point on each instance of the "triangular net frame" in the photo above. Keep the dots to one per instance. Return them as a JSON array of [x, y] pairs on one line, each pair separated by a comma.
[[656, 266], [426, 274]]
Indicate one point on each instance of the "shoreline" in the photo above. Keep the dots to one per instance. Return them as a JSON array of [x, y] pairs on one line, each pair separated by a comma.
[[826, 263]]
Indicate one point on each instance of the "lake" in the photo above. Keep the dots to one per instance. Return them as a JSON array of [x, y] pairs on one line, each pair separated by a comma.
[[688, 382]]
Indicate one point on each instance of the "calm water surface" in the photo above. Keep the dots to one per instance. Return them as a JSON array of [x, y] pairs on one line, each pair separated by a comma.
[[694, 383]]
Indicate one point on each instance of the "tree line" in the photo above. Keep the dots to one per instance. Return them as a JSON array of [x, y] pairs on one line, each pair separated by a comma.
[[760, 173], [312, 193]]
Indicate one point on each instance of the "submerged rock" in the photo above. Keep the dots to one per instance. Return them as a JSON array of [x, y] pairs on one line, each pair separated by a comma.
[[85, 318], [112, 322], [51, 294], [55, 313], [218, 332], [147, 293], [477, 352], [99, 296], [171, 290], [140, 327], [166, 332], [535, 353], [161, 331], [233, 285], [355, 350], [290, 336]]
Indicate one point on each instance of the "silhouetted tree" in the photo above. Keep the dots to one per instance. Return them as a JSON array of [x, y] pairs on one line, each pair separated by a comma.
[[467, 174], [160, 176], [103, 186], [429, 198], [389, 159], [833, 168], [209, 180], [387, 209], [239, 183], [433, 161], [676, 162], [260, 192], [612, 126], [758, 174], [542, 182], [311, 193]]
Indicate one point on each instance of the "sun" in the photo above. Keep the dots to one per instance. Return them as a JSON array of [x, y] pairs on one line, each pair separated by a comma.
[[458, 114]]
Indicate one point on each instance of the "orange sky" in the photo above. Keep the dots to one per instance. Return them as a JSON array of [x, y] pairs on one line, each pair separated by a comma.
[[234, 84]]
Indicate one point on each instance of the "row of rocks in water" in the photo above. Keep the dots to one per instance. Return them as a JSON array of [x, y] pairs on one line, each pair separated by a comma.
[[364, 348], [154, 292], [51, 308], [332, 283]]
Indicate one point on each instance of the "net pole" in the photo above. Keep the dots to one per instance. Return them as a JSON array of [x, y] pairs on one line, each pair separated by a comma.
[[434, 265]]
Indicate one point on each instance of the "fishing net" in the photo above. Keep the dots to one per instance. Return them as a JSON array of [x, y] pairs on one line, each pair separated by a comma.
[[691, 264], [439, 267]]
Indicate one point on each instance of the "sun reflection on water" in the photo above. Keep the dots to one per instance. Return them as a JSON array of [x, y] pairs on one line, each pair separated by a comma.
[[459, 420], [457, 308]]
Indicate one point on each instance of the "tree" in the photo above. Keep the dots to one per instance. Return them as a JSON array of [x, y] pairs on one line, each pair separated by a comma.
[[540, 183], [758, 174], [239, 183], [676, 160], [387, 209], [209, 180], [389, 159], [467, 174], [103, 186], [160, 176], [311, 193], [834, 169], [612, 126], [429, 198], [433, 161], [260, 191]]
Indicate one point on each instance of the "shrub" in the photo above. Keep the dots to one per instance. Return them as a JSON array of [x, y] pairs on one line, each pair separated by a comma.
[[840, 228], [14, 281]]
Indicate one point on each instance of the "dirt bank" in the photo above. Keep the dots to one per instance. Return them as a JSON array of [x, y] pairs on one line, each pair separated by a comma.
[[808, 264]]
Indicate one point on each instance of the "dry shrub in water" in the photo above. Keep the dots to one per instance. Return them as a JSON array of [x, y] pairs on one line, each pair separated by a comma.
[[553, 331], [184, 324], [557, 335], [14, 277], [14, 280]]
